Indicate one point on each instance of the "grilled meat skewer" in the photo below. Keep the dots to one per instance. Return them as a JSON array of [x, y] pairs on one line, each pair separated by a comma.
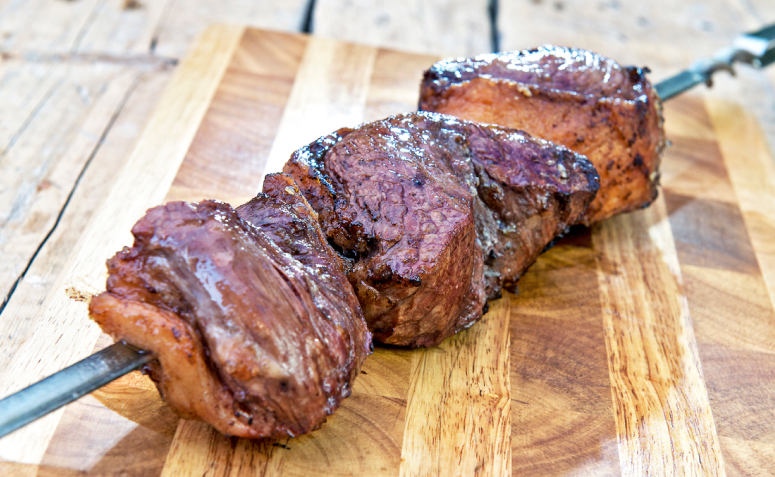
[[118, 359]]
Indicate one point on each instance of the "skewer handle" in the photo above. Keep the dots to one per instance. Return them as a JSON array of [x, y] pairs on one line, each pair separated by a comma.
[[756, 49]]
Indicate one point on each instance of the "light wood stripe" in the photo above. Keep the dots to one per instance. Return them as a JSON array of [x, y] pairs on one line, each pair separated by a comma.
[[394, 87], [441, 423], [752, 173], [199, 450], [228, 155], [329, 93], [663, 418], [458, 416], [65, 332]]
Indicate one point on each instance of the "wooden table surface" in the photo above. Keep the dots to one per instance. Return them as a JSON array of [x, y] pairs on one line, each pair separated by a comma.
[[81, 78]]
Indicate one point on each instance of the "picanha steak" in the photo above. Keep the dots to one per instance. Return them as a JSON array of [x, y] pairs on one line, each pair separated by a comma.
[[438, 214], [577, 98], [255, 328]]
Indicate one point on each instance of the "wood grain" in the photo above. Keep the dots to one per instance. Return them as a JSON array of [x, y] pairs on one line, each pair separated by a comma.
[[44, 25], [146, 176], [752, 175], [562, 414], [394, 85], [119, 30], [66, 71], [718, 181], [374, 449], [728, 294], [592, 369], [320, 94], [438, 440], [242, 121], [20, 316], [134, 437], [667, 36], [444, 28], [549, 442], [329, 93], [663, 417], [458, 418], [184, 20], [60, 125]]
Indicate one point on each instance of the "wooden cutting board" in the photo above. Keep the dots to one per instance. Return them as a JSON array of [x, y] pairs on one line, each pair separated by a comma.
[[642, 346]]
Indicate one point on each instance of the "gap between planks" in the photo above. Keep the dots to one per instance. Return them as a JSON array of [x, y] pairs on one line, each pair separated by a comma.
[[95, 34]]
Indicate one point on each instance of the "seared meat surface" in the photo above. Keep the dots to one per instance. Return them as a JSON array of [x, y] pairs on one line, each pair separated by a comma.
[[438, 214], [573, 97], [255, 327]]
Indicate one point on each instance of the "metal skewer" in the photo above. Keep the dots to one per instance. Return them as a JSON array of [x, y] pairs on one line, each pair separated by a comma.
[[69, 384], [756, 49]]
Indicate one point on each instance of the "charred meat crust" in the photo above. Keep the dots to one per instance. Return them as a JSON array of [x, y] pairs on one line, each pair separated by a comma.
[[407, 222], [248, 338], [572, 97], [439, 214]]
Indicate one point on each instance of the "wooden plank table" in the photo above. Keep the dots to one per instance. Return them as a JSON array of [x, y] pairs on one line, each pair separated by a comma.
[[81, 93]]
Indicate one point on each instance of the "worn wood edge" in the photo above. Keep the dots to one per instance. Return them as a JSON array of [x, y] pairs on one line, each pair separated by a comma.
[[42, 210], [128, 408], [751, 170], [67, 335], [663, 417], [458, 423], [47, 148]]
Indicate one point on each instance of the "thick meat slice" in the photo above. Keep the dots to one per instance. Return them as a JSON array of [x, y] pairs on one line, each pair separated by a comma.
[[422, 200], [247, 337], [576, 98], [408, 221]]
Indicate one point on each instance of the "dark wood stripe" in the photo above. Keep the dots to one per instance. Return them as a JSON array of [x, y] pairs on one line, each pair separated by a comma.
[[733, 316], [552, 442], [694, 167], [710, 234], [562, 413], [742, 392]]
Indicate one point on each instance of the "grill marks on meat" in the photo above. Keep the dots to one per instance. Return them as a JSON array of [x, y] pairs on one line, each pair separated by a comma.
[[438, 214], [572, 97], [248, 338]]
